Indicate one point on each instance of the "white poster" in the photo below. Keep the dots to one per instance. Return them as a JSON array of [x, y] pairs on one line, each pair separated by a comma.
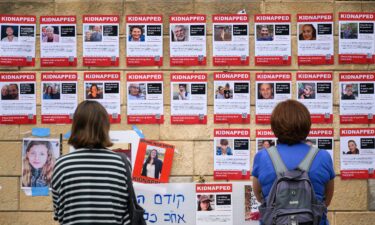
[[271, 88], [357, 98], [58, 41], [214, 204], [231, 154], [188, 40], [104, 87], [189, 98], [145, 98], [18, 98], [315, 39], [357, 153], [314, 90], [356, 38], [58, 97], [272, 40], [17, 45], [100, 40], [144, 40], [230, 40], [232, 97]]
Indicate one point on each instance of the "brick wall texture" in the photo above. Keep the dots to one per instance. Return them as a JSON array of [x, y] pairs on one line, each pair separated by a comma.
[[353, 201]]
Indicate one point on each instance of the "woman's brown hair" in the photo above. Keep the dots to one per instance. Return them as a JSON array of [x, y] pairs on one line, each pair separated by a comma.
[[90, 128], [290, 122]]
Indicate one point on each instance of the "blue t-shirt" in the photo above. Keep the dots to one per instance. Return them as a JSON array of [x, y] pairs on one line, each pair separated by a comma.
[[321, 170]]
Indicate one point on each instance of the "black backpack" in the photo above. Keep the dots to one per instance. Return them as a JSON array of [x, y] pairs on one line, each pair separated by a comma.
[[292, 200]]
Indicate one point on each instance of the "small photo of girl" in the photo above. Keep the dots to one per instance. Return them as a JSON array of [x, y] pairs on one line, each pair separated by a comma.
[[38, 160]]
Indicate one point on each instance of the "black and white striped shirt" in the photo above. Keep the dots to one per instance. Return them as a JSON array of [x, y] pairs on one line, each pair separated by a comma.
[[89, 187]]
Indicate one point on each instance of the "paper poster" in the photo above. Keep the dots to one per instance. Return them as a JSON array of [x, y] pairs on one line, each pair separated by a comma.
[[314, 90], [357, 153], [231, 154], [153, 162], [315, 39], [272, 40], [58, 97], [104, 87], [58, 41], [264, 138], [17, 45], [188, 98], [145, 98], [357, 98], [188, 40], [232, 97], [356, 38], [214, 204], [321, 138], [101, 40], [271, 88], [38, 159], [144, 40], [251, 205], [18, 99], [230, 40]]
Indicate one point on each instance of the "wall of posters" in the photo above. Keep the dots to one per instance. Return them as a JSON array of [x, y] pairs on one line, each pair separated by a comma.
[[18, 98], [214, 204], [58, 97], [17, 45], [271, 88], [315, 39], [188, 98], [272, 40], [100, 40], [58, 41], [153, 162], [144, 40], [357, 97], [188, 40], [321, 138], [232, 97], [38, 159], [356, 38], [231, 154], [264, 138], [314, 90], [104, 87], [145, 98], [230, 40], [357, 153]]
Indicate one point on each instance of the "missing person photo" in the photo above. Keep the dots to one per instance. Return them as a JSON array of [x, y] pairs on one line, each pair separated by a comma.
[[38, 160], [180, 33], [93, 33], [94, 90], [266, 91], [264, 32], [222, 32], [224, 146], [205, 202], [51, 91], [349, 91], [137, 91], [136, 33], [50, 34], [153, 162], [306, 90], [9, 33], [307, 32], [181, 91], [10, 91], [265, 143], [349, 31]]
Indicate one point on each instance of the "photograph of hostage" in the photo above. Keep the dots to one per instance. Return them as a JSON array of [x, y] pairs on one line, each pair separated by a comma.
[[265, 91], [135, 92], [204, 203], [180, 33], [136, 33], [10, 92], [223, 148], [153, 166], [9, 35], [264, 33]]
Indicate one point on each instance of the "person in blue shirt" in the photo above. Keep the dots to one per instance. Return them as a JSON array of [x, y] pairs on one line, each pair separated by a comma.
[[290, 122], [224, 148], [136, 34]]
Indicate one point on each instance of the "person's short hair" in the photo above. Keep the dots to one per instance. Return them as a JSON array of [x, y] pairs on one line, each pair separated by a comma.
[[290, 122], [90, 127], [136, 26], [50, 28], [224, 142]]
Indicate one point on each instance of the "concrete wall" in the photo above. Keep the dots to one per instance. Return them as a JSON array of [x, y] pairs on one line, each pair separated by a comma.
[[352, 201]]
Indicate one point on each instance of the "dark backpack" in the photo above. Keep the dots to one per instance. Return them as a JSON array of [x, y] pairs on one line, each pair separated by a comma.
[[292, 200]]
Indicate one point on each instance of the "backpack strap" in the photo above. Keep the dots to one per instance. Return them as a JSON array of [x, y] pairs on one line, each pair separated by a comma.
[[277, 162], [307, 161]]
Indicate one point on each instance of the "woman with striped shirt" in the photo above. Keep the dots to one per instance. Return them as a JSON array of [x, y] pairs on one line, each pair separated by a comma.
[[89, 185]]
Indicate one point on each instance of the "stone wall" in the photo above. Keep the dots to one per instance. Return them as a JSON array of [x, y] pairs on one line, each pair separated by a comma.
[[353, 199]]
